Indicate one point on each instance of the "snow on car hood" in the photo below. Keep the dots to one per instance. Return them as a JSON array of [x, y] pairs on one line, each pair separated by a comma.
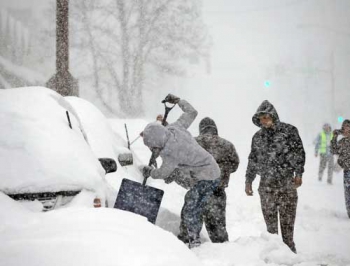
[[39, 152]]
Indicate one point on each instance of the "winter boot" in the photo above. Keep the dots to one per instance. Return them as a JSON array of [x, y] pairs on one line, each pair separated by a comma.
[[194, 240], [193, 243], [183, 238]]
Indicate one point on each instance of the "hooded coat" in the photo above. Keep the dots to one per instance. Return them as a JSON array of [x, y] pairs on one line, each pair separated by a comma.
[[277, 153], [342, 148], [222, 150], [179, 150]]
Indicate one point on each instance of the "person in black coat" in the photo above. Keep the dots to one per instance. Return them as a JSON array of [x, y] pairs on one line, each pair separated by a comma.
[[224, 153], [278, 157], [342, 148]]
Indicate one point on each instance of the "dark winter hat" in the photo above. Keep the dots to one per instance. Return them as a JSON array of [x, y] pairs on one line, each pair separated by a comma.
[[346, 122], [207, 125], [265, 108]]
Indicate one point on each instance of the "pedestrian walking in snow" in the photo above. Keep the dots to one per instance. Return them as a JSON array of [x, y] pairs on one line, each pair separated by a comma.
[[342, 148], [181, 153], [278, 157], [323, 148]]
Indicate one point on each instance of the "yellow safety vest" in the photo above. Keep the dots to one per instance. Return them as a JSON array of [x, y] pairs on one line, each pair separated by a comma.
[[322, 149]]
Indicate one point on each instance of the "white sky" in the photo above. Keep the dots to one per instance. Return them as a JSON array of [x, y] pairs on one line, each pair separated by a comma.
[[287, 42]]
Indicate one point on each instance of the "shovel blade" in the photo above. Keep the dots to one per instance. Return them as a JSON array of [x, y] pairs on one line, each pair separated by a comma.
[[139, 199]]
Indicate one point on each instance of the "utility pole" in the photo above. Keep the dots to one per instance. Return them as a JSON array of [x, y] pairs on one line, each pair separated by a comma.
[[332, 73], [63, 82]]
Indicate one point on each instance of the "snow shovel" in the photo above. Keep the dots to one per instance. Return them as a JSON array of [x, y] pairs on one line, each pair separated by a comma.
[[139, 198]]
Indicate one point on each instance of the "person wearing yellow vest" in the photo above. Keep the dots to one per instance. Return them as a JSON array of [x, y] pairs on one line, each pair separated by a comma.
[[322, 147]]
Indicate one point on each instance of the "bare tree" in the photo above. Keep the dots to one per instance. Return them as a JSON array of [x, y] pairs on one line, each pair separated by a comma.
[[129, 39]]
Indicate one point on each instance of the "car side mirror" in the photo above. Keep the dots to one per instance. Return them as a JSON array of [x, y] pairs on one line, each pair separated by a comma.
[[108, 164], [125, 159]]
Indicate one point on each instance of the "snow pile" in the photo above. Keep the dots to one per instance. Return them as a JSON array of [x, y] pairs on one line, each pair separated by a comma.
[[38, 150], [86, 236]]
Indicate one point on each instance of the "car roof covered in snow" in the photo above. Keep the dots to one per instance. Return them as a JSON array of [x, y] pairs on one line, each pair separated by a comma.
[[39, 152]]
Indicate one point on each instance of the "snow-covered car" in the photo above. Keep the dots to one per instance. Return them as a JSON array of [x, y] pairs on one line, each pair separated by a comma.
[[45, 153], [98, 132]]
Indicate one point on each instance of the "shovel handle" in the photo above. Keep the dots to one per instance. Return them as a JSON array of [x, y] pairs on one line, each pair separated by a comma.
[[167, 110], [144, 181]]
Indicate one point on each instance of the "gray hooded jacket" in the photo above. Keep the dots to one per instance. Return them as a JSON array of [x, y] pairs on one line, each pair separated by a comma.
[[179, 150]]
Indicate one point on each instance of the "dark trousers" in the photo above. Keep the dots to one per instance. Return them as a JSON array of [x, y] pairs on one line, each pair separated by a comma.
[[324, 161], [214, 217], [284, 204], [347, 190], [191, 214]]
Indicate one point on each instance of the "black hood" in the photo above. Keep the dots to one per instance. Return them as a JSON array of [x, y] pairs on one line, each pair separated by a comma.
[[265, 108], [207, 126]]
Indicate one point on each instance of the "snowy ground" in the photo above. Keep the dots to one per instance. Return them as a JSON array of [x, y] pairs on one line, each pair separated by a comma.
[[322, 230]]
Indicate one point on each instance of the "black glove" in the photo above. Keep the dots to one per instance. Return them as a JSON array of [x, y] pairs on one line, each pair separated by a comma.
[[219, 192], [337, 132], [146, 171], [170, 98], [172, 176]]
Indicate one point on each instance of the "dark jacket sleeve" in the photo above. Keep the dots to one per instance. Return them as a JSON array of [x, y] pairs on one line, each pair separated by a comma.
[[335, 147], [252, 163], [234, 160], [231, 161], [299, 152], [228, 165]]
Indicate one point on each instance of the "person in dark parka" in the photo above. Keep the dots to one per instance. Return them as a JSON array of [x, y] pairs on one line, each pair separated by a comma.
[[278, 157], [225, 154], [342, 148]]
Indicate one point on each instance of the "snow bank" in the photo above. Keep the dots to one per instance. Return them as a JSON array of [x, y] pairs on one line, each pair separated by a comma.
[[86, 236], [38, 150]]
